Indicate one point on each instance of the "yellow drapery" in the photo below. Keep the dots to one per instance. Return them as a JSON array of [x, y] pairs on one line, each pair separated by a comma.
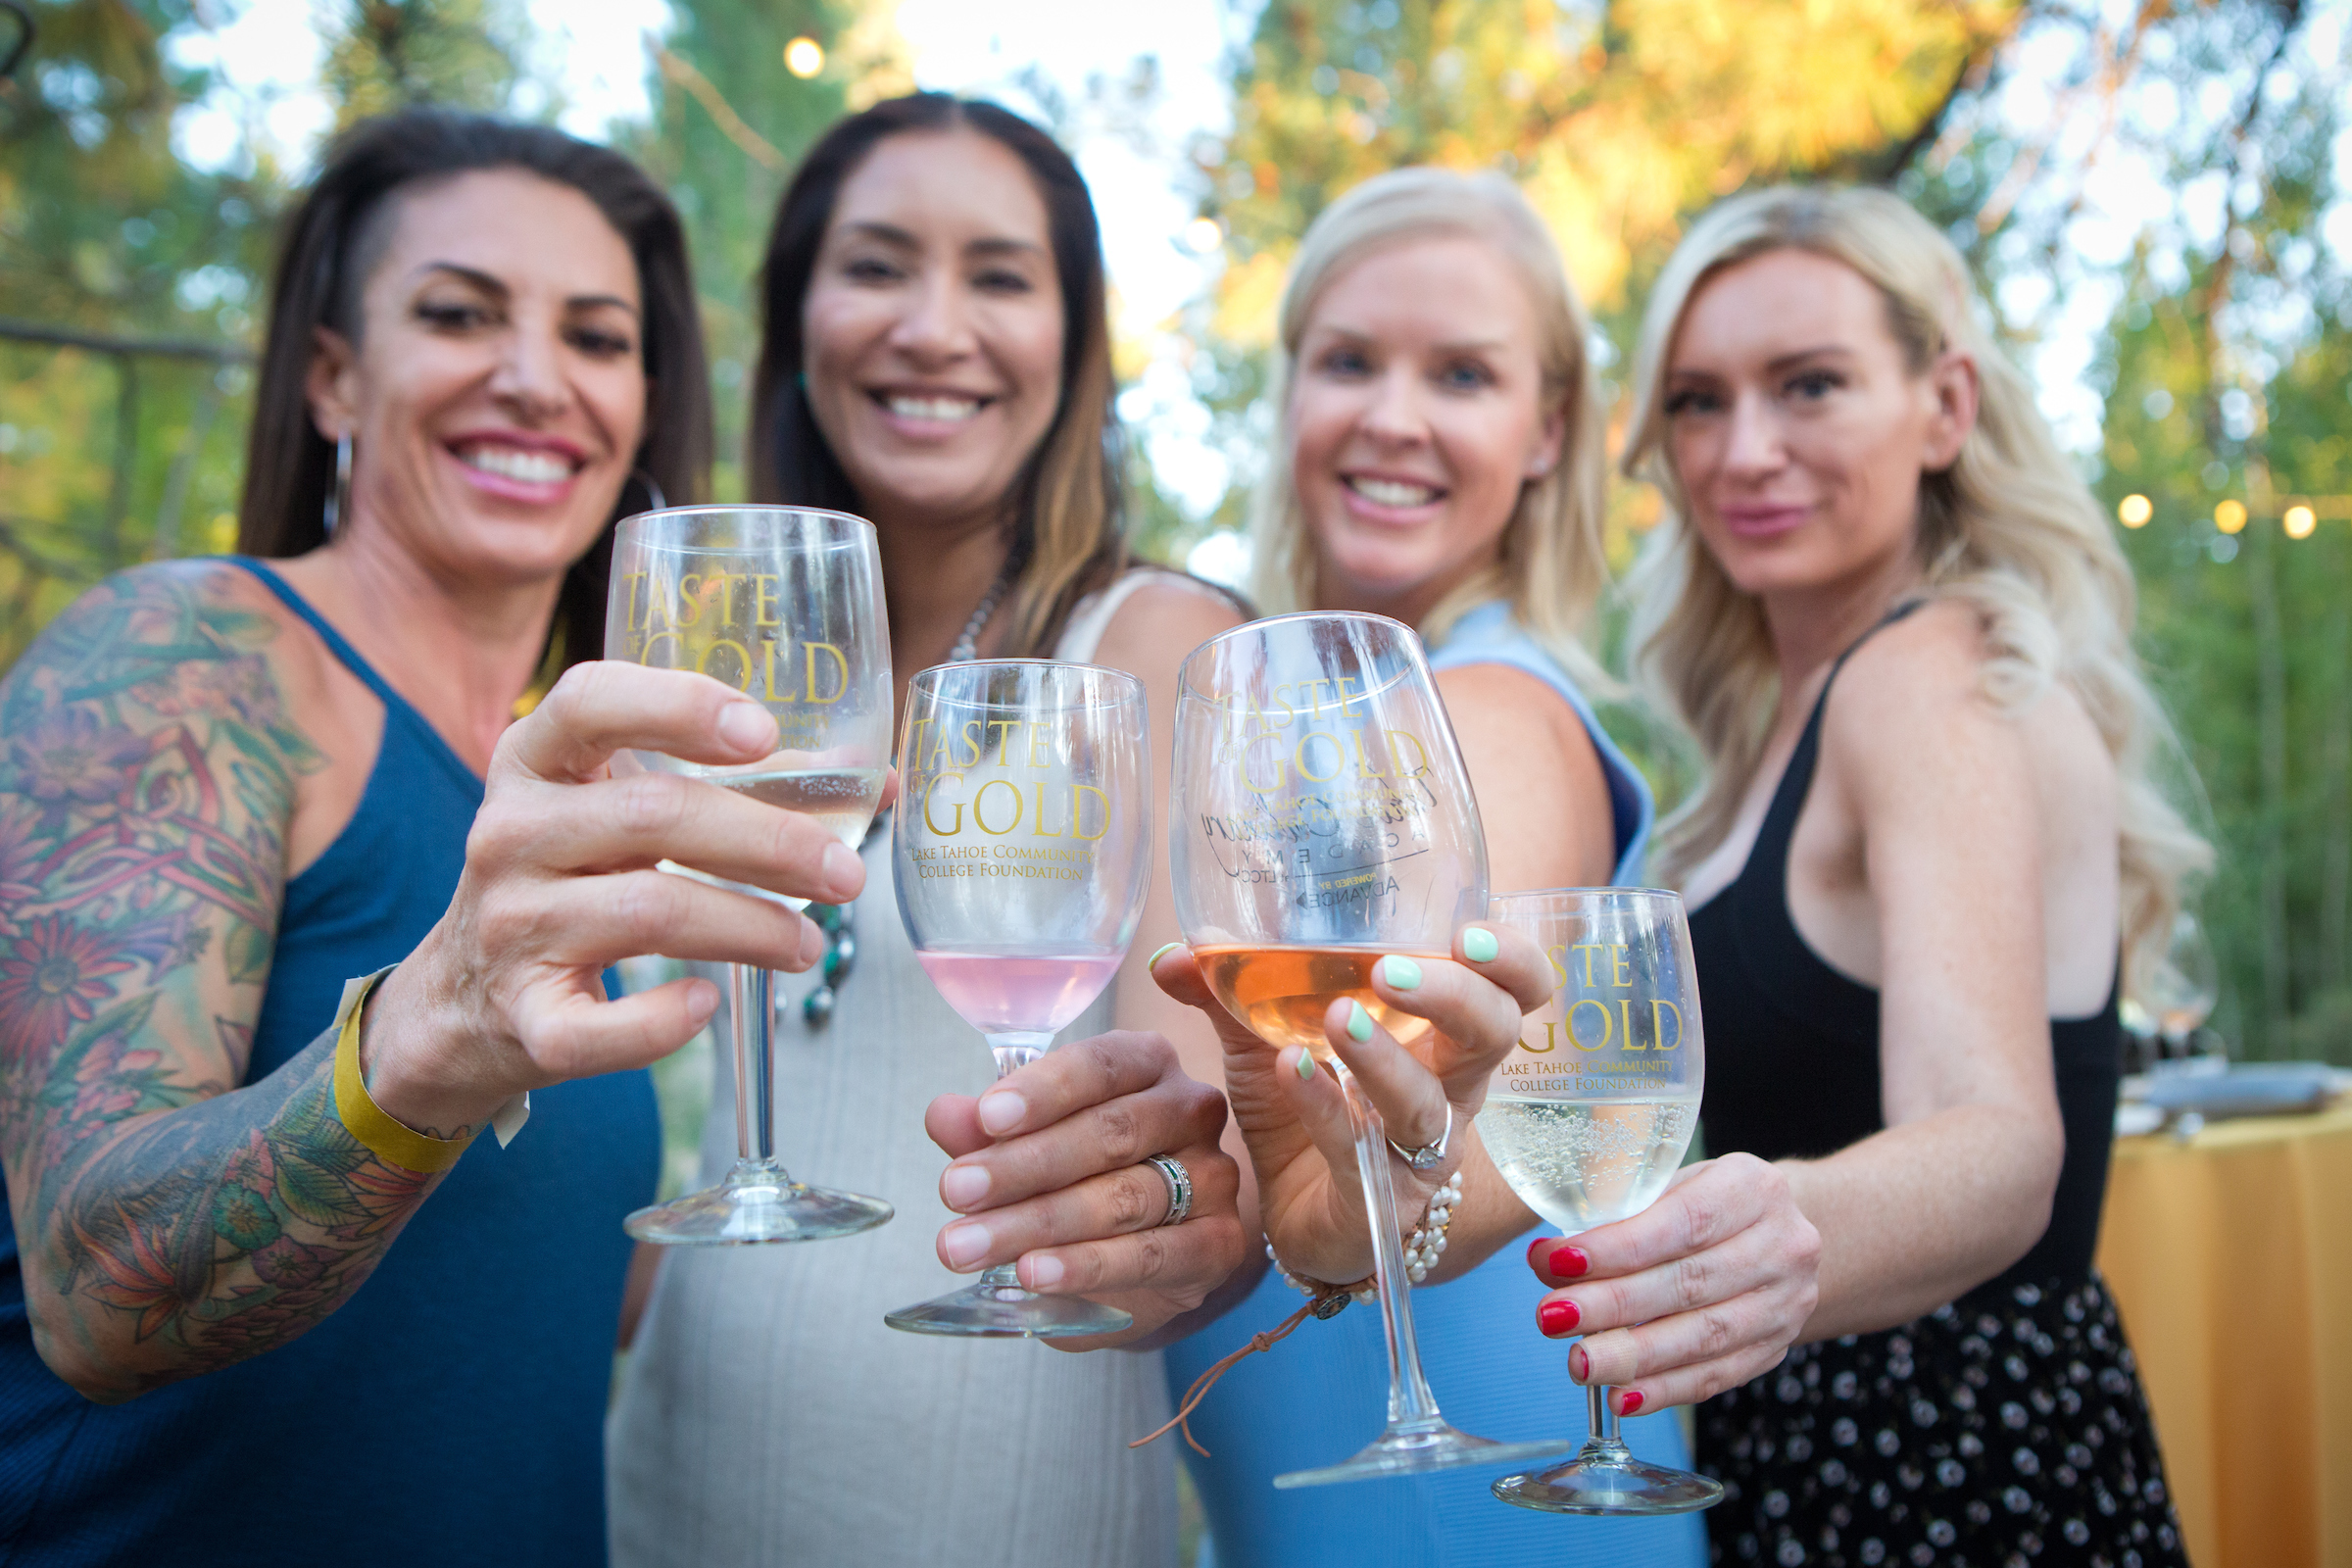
[[2230, 1256]]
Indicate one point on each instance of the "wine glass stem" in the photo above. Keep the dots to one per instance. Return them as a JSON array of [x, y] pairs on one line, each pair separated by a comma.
[[1013, 1052], [1409, 1398], [1603, 1442], [751, 1000]]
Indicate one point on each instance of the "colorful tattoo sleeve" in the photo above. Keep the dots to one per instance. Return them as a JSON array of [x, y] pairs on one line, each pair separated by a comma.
[[169, 1220]]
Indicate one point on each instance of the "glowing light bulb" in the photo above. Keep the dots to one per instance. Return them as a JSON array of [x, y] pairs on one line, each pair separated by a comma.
[[2134, 511], [2300, 521], [803, 57], [2230, 516]]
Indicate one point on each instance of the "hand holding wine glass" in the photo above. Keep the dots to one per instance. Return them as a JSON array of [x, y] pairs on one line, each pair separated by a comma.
[[785, 606], [1323, 827]]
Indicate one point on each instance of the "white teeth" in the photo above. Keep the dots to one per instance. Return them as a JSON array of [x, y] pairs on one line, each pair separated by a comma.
[[1390, 493], [945, 411], [509, 463]]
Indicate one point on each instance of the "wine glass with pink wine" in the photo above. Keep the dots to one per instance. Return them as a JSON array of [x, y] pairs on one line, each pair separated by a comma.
[[1022, 852]]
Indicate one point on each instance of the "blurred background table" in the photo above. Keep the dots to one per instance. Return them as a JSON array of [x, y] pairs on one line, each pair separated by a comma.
[[2230, 1256]]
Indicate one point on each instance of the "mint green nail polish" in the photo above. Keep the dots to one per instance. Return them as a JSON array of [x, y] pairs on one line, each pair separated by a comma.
[[1478, 945], [1401, 972], [1306, 1064], [1360, 1022], [1166, 947]]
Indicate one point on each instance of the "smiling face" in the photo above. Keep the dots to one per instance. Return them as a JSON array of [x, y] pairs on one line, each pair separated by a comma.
[[1417, 415], [495, 396], [1797, 428], [933, 330]]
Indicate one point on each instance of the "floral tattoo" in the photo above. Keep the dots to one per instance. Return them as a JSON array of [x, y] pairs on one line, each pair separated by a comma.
[[170, 1221]]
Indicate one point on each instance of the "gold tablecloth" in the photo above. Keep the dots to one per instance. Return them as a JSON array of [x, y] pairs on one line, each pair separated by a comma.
[[2230, 1256]]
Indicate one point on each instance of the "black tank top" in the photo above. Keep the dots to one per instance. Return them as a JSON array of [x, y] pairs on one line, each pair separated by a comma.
[[1792, 1046]]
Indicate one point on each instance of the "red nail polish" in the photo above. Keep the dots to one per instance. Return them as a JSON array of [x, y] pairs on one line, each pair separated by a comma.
[[1556, 1318], [1629, 1401], [1580, 1365], [1567, 1263], [1534, 1252]]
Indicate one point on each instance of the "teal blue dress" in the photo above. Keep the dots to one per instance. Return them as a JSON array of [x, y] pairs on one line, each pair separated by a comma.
[[1322, 1393], [451, 1410]]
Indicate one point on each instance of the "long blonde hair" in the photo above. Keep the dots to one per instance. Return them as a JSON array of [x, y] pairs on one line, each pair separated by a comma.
[[2008, 528], [1551, 568]]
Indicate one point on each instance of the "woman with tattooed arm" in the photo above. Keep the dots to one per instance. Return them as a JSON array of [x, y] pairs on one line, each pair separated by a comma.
[[228, 788]]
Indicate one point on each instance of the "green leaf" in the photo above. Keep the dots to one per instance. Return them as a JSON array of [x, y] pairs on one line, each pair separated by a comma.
[[314, 1196], [247, 951]]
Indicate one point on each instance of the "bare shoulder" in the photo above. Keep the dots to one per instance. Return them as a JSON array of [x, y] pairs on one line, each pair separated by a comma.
[[1910, 708], [1541, 790], [1164, 619]]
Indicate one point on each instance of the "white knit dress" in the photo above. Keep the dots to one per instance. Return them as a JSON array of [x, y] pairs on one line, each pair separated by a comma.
[[768, 1417]]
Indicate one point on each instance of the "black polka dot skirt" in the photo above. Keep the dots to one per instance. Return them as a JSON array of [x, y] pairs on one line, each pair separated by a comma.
[[2006, 1429]]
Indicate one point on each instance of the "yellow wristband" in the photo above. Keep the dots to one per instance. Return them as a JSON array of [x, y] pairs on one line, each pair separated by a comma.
[[375, 1129]]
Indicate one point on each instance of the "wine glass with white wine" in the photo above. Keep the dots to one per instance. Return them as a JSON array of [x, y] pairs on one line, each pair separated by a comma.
[[785, 604], [1588, 1119], [1321, 819]]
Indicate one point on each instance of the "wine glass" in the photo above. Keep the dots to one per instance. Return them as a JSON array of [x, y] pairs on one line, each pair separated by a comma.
[[1021, 848], [783, 604], [1320, 819], [1588, 1119]]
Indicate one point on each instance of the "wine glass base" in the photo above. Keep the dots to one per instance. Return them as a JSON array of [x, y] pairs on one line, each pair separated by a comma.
[[1009, 1313], [746, 1210], [1411, 1450], [1610, 1486]]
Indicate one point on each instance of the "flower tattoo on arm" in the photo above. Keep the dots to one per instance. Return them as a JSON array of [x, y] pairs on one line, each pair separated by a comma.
[[170, 1221]]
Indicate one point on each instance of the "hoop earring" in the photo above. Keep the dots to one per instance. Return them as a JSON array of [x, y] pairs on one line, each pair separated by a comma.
[[338, 499], [653, 491]]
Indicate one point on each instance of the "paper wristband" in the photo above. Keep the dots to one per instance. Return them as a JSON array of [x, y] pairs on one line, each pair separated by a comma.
[[383, 1136]]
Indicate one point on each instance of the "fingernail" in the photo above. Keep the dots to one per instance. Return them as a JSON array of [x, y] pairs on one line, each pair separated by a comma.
[[1001, 1111], [1153, 963], [744, 725], [1306, 1064], [963, 1186], [841, 868], [1046, 1272], [1580, 1365], [1629, 1401], [1359, 1023], [965, 1244], [1478, 945], [1556, 1318], [1566, 1262], [1401, 972], [702, 1000]]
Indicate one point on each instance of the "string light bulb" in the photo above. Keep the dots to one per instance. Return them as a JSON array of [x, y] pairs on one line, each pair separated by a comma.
[[803, 57], [2134, 511], [2230, 516], [2299, 521]]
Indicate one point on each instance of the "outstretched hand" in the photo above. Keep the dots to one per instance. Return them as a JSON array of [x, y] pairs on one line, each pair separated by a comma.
[[1297, 1124], [1050, 1172]]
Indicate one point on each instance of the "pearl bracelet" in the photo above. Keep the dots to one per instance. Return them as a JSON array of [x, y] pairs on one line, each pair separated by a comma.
[[1421, 1249]]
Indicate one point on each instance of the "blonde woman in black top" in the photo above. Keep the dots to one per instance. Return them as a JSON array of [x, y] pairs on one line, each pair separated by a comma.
[[1898, 626]]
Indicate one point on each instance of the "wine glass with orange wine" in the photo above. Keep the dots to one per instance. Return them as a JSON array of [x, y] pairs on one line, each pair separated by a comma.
[[1321, 819]]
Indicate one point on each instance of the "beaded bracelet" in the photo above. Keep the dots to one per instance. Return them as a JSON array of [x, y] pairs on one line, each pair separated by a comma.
[[1421, 1249]]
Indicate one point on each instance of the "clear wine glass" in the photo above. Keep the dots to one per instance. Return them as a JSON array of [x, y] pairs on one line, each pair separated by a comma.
[[1023, 850], [1320, 819], [1588, 1119], [786, 604]]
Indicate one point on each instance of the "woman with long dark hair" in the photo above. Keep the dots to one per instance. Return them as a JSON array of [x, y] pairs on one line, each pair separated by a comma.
[[938, 360], [233, 792]]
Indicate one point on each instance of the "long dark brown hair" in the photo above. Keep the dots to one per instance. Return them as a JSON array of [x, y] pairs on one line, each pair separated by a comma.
[[334, 237], [1066, 512]]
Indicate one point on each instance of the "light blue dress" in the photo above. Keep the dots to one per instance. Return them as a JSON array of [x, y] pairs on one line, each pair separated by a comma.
[[1322, 1393]]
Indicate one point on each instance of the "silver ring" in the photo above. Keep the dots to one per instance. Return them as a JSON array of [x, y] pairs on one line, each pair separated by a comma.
[[1180, 1188], [1429, 1156]]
